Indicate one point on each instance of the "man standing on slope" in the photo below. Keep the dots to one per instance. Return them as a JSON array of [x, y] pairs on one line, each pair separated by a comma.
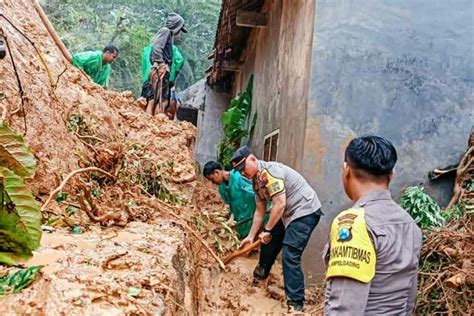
[[147, 90], [161, 59]]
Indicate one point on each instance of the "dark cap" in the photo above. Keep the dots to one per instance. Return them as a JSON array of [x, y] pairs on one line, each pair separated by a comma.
[[238, 159], [184, 30]]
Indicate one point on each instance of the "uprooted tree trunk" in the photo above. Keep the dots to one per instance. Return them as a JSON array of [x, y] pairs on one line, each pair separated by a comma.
[[88, 205], [464, 277]]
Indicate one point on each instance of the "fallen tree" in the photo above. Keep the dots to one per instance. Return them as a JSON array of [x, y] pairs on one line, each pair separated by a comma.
[[446, 280]]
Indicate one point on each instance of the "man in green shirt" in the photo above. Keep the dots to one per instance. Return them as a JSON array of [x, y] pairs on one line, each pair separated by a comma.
[[96, 64], [147, 89], [176, 66], [236, 191]]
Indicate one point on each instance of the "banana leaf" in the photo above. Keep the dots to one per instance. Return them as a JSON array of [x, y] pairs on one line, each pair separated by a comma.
[[14, 154], [15, 282], [20, 219], [236, 121]]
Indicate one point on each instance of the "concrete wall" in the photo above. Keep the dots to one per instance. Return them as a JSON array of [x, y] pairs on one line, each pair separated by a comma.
[[279, 56], [400, 69], [211, 105]]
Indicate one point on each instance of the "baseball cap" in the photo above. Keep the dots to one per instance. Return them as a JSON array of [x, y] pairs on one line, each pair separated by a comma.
[[239, 157]]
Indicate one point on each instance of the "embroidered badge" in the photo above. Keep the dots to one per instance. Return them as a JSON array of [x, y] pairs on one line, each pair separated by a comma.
[[344, 234]]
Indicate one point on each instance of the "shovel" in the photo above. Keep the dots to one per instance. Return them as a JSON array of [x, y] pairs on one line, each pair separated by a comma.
[[242, 251]]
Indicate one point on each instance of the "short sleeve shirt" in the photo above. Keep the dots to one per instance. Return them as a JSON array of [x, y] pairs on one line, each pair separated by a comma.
[[397, 242], [274, 179]]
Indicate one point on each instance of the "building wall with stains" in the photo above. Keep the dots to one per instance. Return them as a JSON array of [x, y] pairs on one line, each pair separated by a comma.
[[400, 69], [279, 56], [211, 104]]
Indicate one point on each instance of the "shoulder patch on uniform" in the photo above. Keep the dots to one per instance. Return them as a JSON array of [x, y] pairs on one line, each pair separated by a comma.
[[273, 184], [352, 253]]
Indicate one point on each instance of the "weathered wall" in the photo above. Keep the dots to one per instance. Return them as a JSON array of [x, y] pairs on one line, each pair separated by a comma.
[[400, 69], [279, 56], [211, 104]]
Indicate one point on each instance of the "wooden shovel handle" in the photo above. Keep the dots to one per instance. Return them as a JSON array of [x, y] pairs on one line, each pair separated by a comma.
[[242, 251]]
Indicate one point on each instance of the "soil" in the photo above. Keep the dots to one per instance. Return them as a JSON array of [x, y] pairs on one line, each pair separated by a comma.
[[136, 254], [96, 273], [142, 247]]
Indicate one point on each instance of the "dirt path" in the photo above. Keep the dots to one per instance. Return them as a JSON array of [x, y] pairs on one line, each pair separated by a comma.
[[232, 292]]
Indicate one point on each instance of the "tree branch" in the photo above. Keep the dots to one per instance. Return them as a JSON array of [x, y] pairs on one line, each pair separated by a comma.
[[68, 177]]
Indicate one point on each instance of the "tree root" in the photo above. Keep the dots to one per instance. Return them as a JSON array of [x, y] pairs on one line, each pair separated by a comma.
[[68, 177], [169, 209], [446, 276], [95, 214]]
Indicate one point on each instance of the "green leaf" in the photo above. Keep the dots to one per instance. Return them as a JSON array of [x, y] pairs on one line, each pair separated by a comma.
[[71, 210], [20, 218], [76, 230], [422, 207], [133, 291], [62, 196], [15, 282], [14, 154], [96, 192]]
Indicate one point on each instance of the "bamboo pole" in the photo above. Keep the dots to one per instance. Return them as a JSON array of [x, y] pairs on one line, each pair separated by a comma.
[[52, 32]]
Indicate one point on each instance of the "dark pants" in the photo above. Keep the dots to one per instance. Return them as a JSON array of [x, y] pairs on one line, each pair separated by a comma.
[[147, 90], [293, 241]]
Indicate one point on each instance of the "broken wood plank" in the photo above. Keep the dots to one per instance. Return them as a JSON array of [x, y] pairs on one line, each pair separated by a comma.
[[251, 19]]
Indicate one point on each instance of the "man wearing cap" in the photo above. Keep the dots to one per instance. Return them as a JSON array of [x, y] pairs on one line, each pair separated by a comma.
[[294, 214], [161, 59]]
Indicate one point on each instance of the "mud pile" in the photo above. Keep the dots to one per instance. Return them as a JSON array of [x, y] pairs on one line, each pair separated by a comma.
[[142, 269], [70, 123], [158, 260]]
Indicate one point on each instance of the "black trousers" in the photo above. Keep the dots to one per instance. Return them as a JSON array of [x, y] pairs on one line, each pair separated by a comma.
[[292, 241]]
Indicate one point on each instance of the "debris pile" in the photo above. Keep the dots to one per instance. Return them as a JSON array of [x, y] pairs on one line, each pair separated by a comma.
[[100, 159], [129, 227], [446, 281], [74, 124]]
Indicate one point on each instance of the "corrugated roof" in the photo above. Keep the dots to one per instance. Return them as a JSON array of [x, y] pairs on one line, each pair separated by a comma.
[[230, 39]]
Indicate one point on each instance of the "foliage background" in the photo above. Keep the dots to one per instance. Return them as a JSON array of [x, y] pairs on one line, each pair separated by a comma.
[[131, 25], [238, 126]]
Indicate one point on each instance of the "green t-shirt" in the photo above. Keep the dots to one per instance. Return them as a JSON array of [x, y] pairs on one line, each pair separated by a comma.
[[239, 195], [178, 62], [91, 63]]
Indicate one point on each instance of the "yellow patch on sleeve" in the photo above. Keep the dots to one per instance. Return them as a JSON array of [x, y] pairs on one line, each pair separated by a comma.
[[273, 184], [352, 253]]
